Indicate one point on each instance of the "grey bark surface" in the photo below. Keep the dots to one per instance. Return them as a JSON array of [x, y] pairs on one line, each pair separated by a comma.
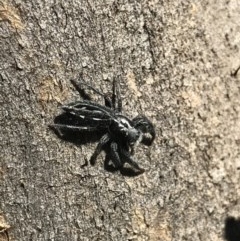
[[176, 60]]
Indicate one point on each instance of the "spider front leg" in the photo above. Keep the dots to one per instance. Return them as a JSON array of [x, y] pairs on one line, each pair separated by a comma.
[[126, 155], [80, 90], [115, 156], [103, 141]]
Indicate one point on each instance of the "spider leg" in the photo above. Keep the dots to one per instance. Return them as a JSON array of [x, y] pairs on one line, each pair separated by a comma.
[[107, 166], [116, 96], [115, 156], [130, 160], [104, 140], [78, 87]]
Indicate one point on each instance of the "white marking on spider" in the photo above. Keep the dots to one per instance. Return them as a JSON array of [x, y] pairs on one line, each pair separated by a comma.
[[97, 119], [124, 122]]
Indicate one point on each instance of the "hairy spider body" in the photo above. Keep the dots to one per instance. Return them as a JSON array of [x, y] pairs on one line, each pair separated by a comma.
[[120, 133]]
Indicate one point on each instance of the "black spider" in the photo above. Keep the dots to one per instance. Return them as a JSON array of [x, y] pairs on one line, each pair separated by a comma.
[[120, 133]]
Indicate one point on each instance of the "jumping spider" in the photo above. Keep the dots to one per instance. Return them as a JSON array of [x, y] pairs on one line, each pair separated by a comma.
[[119, 132]]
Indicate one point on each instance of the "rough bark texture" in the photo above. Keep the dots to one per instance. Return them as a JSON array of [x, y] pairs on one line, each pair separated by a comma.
[[177, 61]]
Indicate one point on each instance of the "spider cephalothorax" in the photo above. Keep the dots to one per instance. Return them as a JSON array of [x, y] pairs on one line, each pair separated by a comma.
[[119, 132]]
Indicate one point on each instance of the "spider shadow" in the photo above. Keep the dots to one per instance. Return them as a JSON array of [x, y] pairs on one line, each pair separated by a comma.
[[80, 138], [125, 171], [232, 229]]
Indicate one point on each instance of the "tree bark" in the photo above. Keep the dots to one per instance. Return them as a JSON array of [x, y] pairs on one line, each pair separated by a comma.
[[177, 61]]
